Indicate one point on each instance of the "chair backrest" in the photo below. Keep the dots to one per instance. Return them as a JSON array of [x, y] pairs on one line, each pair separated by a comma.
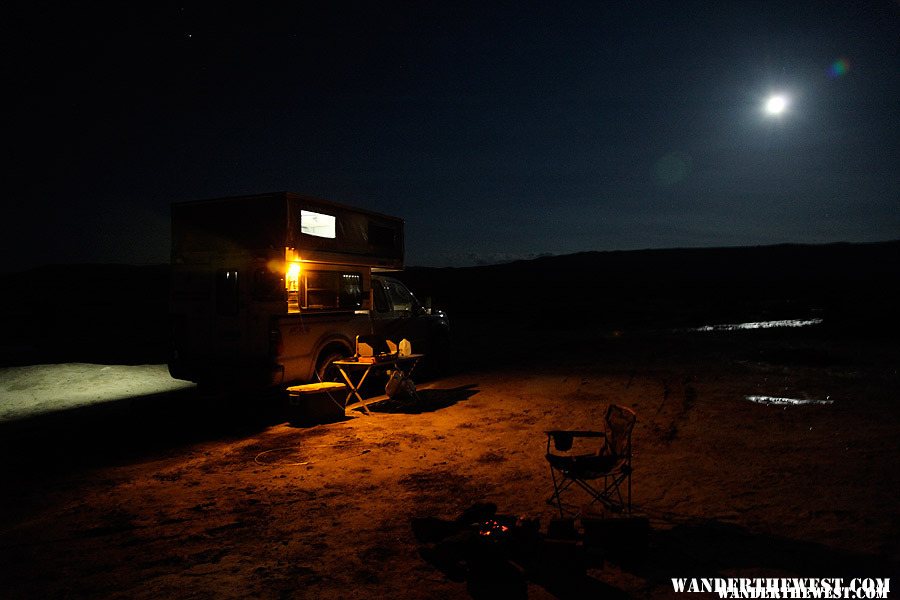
[[619, 423]]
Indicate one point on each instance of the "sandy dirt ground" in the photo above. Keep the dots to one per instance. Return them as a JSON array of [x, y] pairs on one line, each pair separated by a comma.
[[171, 495], [34, 390]]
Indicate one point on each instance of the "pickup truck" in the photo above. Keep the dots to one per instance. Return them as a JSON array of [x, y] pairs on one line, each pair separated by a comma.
[[269, 290], [308, 344]]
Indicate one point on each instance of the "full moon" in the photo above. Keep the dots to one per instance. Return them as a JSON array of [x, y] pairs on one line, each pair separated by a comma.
[[775, 105]]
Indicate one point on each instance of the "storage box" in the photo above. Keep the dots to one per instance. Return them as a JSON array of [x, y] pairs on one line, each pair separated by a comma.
[[315, 403]]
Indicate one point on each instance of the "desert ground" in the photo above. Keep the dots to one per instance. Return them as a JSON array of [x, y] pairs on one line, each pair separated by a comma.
[[119, 482], [180, 496]]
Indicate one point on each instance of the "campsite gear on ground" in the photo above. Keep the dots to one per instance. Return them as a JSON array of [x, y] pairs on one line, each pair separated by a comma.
[[400, 387], [315, 403], [600, 473], [498, 554], [486, 549]]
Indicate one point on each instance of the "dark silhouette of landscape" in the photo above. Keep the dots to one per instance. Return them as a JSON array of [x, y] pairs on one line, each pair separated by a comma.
[[119, 313]]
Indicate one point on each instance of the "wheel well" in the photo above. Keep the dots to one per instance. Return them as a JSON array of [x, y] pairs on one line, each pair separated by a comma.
[[330, 348]]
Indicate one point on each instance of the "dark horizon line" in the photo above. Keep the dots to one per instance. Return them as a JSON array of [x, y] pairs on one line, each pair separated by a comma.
[[536, 257]]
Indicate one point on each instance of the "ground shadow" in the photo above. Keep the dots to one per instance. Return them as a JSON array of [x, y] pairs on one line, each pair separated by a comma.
[[709, 548], [428, 400], [126, 429]]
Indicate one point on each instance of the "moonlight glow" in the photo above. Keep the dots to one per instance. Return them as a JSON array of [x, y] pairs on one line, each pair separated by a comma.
[[776, 105]]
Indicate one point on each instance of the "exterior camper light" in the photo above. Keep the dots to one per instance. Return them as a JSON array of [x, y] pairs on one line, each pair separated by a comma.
[[292, 269], [292, 278]]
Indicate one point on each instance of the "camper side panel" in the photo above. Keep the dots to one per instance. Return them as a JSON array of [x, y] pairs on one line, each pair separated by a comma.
[[331, 233]]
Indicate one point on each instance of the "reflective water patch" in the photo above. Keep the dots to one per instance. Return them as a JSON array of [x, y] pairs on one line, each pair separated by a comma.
[[787, 401], [759, 325]]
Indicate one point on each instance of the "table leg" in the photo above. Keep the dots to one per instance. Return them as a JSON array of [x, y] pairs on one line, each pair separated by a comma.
[[354, 389]]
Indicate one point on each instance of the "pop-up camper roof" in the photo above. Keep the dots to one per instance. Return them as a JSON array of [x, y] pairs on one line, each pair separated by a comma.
[[318, 229]]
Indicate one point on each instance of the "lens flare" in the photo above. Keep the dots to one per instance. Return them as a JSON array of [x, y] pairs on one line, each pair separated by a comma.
[[839, 68]]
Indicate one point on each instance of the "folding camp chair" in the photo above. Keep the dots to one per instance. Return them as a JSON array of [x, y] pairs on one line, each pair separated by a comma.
[[600, 473]]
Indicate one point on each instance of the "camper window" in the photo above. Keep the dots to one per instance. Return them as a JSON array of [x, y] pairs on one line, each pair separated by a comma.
[[317, 224], [351, 291], [322, 290]]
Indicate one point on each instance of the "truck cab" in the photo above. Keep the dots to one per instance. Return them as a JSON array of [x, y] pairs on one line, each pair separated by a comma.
[[397, 314]]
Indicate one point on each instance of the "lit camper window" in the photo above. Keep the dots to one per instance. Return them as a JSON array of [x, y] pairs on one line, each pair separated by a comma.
[[331, 290], [317, 224]]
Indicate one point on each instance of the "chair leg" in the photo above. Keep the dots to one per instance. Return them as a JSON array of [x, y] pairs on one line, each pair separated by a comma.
[[613, 486], [629, 494], [556, 490], [610, 494], [560, 486]]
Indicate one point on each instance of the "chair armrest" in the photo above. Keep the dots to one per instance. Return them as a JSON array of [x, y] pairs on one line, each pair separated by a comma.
[[562, 439], [576, 433]]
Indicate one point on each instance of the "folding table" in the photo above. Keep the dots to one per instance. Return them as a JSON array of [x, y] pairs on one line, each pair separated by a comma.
[[358, 370]]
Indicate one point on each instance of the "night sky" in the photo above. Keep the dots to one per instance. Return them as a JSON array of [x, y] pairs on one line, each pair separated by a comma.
[[497, 130]]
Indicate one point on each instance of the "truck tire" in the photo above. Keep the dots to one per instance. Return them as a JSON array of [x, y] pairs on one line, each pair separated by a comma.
[[325, 370]]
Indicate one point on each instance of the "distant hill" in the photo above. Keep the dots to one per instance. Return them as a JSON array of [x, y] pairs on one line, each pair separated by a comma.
[[677, 286], [119, 313], [99, 313]]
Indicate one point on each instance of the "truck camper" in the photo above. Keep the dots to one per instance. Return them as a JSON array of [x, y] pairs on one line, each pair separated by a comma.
[[269, 290]]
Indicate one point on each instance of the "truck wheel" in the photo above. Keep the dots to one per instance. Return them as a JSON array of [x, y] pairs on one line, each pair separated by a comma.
[[325, 369]]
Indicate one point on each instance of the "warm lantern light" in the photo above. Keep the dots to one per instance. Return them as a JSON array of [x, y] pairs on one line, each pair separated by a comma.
[[292, 277], [291, 270]]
